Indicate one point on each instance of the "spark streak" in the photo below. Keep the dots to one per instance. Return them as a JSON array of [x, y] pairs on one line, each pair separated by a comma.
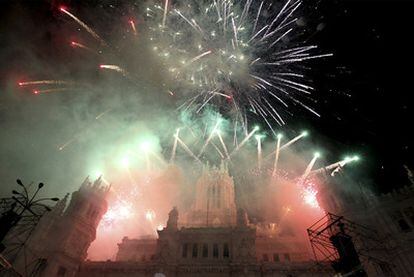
[[134, 29], [289, 143], [259, 151], [305, 175], [244, 141], [174, 149], [208, 139], [165, 13], [82, 46], [50, 90], [186, 149], [44, 82], [277, 153], [114, 68], [223, 144], [336, 165], [84, 26], [200, 56]]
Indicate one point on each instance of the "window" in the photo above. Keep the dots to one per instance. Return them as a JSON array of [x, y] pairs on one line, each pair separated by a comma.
[[386, 269], [409, 213], [404, 225], [205, 250], [215, 250], [287, 257], [265, 258], [195, 250], [185, 250], [61, 271], [226, 251], [276, 257]]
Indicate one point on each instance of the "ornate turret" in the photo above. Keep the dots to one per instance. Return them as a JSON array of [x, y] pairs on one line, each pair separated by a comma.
[[59, 243], [214, 205]]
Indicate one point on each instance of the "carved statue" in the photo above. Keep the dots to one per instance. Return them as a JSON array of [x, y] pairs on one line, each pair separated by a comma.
[[172, 223]]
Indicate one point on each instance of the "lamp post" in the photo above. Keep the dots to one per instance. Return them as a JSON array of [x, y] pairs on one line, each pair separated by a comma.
[[21, 203]]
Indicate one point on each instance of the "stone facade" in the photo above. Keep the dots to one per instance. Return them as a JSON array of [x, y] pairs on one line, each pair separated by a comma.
[[212, 239], [208, 251]]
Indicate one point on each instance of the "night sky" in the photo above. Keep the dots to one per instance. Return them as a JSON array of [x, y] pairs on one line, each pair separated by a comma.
[[372, 44], [363, 91]]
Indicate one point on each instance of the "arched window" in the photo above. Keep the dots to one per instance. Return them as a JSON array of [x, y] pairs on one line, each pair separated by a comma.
[[404, 225], [226, 251], [215, 250], [205, 250], [195, 250], [185, 250]]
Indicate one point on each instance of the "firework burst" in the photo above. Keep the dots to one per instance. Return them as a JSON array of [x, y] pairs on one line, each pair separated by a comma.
[[236, 56], [243, 59]]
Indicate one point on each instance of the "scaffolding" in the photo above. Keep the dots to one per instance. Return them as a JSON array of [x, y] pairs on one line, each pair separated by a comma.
[[349, 247]]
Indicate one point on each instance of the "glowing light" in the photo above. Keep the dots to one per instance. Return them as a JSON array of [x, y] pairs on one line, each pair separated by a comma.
[[117, 212], [305, 134], [309, 194], [96, 174], [317, 154], [124, 162], [150, 215], [259, 137], [145, 146], [132, 24]]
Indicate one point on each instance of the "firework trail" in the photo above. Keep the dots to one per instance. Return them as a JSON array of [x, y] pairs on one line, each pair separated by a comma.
[[66, 144], [102, 114], [50, 90], [259, 152], [114, 68], [305, 175], [289, 143], [223, 144], [174, 149], [44, 82], [334, 166], [134, 29], [82, 46], [208, 139], [277, 153], [186, 149], [244, 141], [80, 133], [84, 26]]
